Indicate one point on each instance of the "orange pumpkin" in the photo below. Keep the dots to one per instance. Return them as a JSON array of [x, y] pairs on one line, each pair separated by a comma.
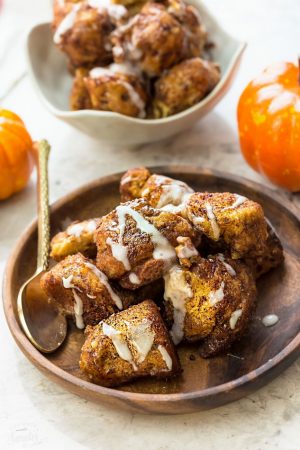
[[269, 124], [16, 157]]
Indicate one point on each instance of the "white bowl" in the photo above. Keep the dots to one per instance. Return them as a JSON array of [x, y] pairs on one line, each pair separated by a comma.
[[48, 71]]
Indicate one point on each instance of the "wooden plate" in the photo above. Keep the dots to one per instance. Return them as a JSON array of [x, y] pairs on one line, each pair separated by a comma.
[[258, 358]]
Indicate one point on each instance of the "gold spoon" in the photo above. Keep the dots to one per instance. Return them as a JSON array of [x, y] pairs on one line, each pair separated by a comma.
[[40, 318]]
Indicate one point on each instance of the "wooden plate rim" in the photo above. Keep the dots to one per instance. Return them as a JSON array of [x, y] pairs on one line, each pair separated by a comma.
[[38, 359]]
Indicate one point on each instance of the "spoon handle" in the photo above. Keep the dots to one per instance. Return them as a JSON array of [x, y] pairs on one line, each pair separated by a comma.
[[43, 148]]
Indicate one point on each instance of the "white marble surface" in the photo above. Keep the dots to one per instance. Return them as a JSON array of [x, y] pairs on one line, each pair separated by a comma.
[[34, 412]]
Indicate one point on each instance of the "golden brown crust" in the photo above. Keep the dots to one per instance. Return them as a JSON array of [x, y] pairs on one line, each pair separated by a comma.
[[101, 362], [79, 97], [96, 298], [242, 230], [153, 40], [87, 42], [214, 296], [138, 244], [119, 92], [132, 183], [184, 85], [78, 237], [271, 257], [189, 18]]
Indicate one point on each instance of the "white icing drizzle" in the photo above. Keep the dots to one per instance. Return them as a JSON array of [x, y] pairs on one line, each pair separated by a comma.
[[197, 220], [234, 318], [67, 282], [66, 24], [126, 180], [136, 99], [162, 247], [173, 193], [124, 28], [166, 357], [133, 278], [91, 296], [213, 221], [78, 306], [78, 228], [117, 51], [91, 226], [187, 252], [104, 280], [145, 192], [113, 69], [119, 343], [229, 268], [216, 296], [114, 11], [270, 319], [240, 199], [177, 291], [186, 249], [180, 209], [119, 251], [78, 310], [117, 12], [142, 338]]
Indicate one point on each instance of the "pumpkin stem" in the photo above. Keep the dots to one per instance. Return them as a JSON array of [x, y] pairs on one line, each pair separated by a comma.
[[299, 70]]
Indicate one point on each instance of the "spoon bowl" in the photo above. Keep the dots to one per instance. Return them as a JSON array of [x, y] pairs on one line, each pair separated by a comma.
[[43, 323]]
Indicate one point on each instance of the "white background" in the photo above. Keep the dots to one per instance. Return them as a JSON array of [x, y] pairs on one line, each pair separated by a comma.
[[34, 412]]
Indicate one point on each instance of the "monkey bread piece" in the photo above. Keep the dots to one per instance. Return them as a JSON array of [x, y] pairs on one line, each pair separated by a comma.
[[132, 183], [115, 88], [183, 86], [84, 33], [153, 40], [129, 345], [159, 191], [236, 223], [189, 18], [81, 290], [271, 257], [166, 193], [212, 301], [135, 242], [77, 238], [80, 98]]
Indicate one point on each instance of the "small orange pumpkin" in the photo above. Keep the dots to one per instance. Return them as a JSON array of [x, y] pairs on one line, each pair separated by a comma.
[[269, 124], [16, 157]]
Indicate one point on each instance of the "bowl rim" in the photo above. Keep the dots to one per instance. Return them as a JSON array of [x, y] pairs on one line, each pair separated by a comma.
[[233, 63], [292, 349]]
